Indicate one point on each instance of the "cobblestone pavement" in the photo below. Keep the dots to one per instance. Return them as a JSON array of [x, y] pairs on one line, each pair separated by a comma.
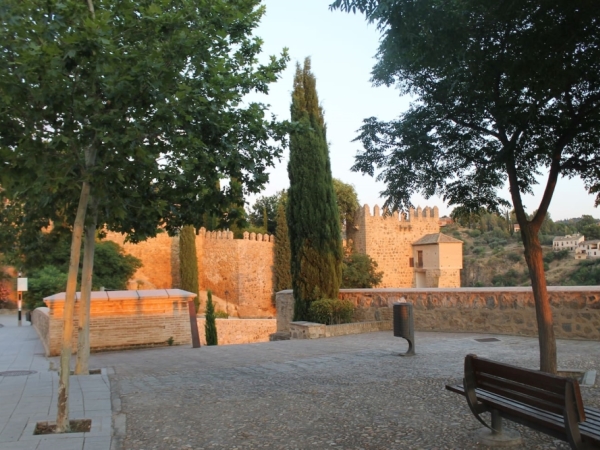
[[350, 392]]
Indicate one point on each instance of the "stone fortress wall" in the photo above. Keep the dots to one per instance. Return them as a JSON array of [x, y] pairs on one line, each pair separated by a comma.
[[388, 238], [240, 271]]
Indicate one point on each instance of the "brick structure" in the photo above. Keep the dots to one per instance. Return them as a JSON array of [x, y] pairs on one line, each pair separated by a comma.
[[134, 319], [120, 319]]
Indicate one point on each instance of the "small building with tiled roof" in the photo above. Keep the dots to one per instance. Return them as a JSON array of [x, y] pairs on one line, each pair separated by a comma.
[[568, 242], [437, 261]]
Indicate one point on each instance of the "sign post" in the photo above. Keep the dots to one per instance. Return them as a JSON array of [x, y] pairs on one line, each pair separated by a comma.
[[21, 287]]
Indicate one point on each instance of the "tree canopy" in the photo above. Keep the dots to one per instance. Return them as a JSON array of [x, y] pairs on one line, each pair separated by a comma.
[[135, 108], [151, 90], [503, 91]]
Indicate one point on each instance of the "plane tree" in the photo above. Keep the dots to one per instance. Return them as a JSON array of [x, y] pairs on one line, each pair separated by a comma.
[[503, 92], [134, 111]]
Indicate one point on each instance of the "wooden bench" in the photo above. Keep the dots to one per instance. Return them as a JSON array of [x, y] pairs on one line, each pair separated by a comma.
[[544, 402]]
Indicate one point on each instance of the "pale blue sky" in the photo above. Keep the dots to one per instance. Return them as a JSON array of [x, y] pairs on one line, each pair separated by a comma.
[[342, 48]]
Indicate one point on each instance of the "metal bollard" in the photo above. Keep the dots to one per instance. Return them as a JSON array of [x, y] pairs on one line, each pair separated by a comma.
[[404, 325]]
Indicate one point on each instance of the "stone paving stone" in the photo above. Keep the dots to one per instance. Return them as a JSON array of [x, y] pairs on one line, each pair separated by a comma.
[[96, 443], [60, 443], [19, 445]]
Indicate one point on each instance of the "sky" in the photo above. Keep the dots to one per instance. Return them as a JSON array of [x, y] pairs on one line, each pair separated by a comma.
[[342, 48]]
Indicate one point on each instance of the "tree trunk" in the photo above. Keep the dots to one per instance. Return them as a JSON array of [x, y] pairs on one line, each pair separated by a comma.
[[83, 343], [62, 417], [543, 312]]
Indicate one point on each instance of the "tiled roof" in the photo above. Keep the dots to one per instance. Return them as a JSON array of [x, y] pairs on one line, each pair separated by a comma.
[[567, 238], [436, 238]]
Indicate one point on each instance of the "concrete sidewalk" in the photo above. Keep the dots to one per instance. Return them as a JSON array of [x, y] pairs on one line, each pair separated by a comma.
[[28, 394]]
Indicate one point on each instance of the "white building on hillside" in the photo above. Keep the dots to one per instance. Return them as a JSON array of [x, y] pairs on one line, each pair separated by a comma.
[[588, 250], [568, 242]]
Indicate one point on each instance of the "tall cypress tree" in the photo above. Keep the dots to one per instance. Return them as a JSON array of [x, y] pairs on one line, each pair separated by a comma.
[[188, 262], [312, 214], [282, 255]]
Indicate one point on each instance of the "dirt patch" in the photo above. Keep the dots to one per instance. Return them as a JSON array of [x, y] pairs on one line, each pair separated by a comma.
[[76, 426]]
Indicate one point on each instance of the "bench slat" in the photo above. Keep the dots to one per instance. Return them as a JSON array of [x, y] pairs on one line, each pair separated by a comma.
[[529, 377], [522, 394]]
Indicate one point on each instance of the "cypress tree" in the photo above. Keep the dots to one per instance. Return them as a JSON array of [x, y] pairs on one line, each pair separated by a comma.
[[188, 262], [282, 257], [210, 325], [312, 213]]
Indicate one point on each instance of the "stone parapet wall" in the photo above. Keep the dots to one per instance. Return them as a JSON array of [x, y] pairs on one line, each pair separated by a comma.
[[240, 331], [576, 310], [122, 319], [40, 320]]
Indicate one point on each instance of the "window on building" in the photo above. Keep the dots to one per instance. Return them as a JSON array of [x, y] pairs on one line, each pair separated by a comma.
[[411, 262]]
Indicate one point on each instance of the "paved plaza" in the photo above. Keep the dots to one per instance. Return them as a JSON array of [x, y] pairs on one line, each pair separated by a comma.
[[349, 392]]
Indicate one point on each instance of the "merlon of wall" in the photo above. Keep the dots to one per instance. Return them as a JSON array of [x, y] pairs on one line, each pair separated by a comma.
[[413, 214]]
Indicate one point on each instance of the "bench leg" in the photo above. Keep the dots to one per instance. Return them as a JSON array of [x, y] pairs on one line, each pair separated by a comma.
[[498, 436], [496, 422]]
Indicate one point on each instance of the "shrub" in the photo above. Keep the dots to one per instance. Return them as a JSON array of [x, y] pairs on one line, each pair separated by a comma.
[[478, 250], [331, 311], [474, 233], [359, 271], [562, 254], [221, 315], [513, 257], [210, 326], [49, 280], [549, 257]]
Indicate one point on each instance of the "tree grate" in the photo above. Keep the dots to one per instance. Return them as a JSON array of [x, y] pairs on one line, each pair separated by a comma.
[[487, 340], [16, 373]]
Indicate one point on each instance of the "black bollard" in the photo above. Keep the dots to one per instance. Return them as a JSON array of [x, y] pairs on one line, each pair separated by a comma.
[[404, 325]]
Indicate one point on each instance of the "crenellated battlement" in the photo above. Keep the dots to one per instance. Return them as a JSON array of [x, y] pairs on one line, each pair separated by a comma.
[[226, 234], [419, 214]]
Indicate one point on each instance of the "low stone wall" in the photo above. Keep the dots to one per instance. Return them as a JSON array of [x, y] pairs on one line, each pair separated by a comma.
[[40, 320], [311, 330], [240, 331], [122, 319], [576, 310]]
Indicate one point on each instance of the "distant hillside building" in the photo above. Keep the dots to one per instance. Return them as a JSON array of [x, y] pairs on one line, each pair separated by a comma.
[[568, 242], [588, 250], [445, 221]]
